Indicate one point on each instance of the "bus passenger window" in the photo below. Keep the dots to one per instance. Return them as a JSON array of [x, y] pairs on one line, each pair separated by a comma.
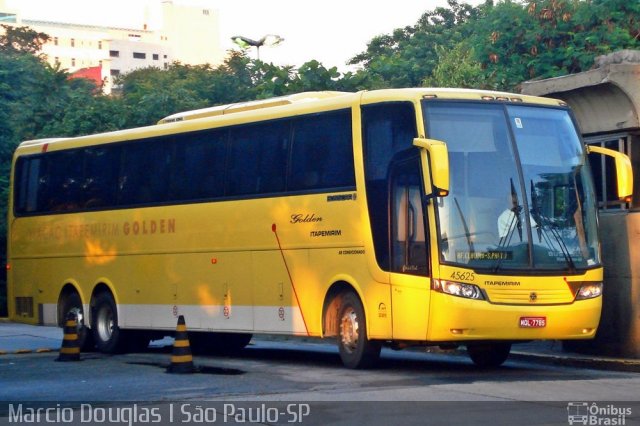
[[257, 158], [100, 177], [322, 153]]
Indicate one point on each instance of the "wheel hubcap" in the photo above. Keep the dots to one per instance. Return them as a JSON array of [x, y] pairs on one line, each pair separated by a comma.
[[349, 330], [79, 316], [105, 323]]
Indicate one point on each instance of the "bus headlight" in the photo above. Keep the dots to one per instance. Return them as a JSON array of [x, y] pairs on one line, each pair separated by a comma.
[[468, 291], [589, 291]]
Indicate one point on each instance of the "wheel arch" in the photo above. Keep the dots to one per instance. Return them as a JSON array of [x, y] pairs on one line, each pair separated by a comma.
[[69, 288], [101, 286]]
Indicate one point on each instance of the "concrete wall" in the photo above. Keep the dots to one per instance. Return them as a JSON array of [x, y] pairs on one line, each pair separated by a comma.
[[619, 330]]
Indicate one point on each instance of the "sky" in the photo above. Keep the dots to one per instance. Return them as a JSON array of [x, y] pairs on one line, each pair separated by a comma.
[[331, 31]]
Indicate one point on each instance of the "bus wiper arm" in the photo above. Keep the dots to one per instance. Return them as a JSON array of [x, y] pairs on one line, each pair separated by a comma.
[[516, 208], [505, 240], [467, 234], [535, 210], [543, 223]]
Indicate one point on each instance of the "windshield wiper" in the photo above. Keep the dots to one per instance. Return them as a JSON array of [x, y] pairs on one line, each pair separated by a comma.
[[464, 226], [516, 211], [516, 208], [541, 222]]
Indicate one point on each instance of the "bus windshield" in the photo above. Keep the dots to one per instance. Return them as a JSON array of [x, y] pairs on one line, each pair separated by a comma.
[[521, 196]]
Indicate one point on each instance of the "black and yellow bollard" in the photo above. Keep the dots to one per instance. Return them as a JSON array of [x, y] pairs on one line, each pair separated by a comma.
[[181, 358], [70, 349]]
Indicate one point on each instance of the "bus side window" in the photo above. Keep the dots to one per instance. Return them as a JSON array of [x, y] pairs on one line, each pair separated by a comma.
[[27, 183], [322, 152], [199, 158], [257, 158], [100, 177], [65, 176], [143, 178]]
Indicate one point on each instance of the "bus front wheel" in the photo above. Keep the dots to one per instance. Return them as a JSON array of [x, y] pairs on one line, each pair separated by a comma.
[[356, 350], [489, 355], [104, 323]]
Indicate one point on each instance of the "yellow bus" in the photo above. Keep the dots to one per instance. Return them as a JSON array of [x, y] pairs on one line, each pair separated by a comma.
[[380, 218]]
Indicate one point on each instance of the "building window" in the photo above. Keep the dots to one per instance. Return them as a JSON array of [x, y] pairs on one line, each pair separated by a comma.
[[139, 55], [100, 44], [73, 42], [156, 57], [114, 53], [55, 41], [73, 62], [115, 73], [205, 12]]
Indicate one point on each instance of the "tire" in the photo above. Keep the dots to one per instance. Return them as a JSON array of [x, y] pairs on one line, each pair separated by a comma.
[[356, 350], [219, 343], [489, 355], [104, 323], [72, 304]]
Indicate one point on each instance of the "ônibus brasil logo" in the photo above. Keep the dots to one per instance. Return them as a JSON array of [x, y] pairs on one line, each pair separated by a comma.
[[594, 414]]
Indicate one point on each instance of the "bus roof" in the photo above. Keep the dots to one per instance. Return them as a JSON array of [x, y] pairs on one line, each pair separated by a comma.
[[251, 105], [299, 103], [446, 93]]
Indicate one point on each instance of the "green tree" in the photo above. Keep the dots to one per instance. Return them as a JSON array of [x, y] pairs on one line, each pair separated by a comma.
[[408, 55], [547, 38], [457, 67], [511, 40], [21, 40]]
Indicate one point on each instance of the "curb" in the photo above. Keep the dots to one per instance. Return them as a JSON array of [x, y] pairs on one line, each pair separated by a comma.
[[599, 363], [28, 351]]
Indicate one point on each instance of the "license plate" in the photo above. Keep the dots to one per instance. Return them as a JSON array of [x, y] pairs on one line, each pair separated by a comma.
[[533, 322]]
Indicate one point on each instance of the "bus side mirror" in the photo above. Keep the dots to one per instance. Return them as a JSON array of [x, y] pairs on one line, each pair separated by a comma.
[[434, 157], [624, 172]]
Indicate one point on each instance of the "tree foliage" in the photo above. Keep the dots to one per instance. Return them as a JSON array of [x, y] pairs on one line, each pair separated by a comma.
[[547, 38], [457, 67], [511, 41], [21, 40], [409, 55]]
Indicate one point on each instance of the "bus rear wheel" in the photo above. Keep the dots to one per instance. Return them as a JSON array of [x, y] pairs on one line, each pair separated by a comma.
[[104, 322], [72, 304], [489, 355], [356, 350]]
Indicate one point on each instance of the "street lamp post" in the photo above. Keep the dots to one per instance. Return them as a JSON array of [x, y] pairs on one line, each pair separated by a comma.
[[269, 40]]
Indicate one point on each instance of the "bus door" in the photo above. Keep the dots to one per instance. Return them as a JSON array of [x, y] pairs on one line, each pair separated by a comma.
[[409, 251]]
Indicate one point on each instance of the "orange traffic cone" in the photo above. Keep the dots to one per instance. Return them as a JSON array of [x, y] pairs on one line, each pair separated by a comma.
[[181, 358], [70, 349]]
